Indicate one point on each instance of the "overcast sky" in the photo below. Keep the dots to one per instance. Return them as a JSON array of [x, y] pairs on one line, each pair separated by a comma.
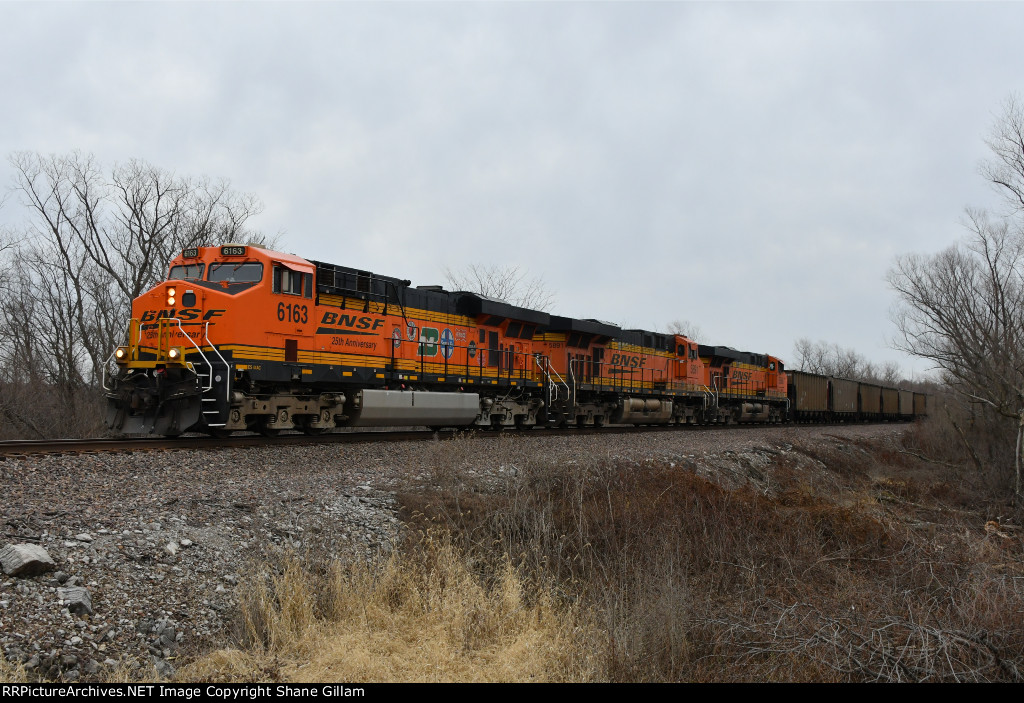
[[752, 168]]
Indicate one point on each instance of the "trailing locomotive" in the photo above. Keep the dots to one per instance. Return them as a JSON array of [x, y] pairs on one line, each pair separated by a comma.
[[242, 338]]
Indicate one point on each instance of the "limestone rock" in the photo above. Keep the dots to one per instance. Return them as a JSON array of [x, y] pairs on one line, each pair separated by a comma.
[[25, 560], [77, 600]]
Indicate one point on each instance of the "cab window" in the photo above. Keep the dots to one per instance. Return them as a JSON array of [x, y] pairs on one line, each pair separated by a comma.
[[243, 272], [190, 272], [293, 282]]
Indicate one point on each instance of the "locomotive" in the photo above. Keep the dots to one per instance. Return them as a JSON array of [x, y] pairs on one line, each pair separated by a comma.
[[243, 338]]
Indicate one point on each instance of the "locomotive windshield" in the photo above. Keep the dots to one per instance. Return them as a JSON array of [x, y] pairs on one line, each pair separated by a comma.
[[243, 272], [191, 272]]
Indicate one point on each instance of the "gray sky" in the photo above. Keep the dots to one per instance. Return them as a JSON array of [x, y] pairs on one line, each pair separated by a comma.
[[753, 168]]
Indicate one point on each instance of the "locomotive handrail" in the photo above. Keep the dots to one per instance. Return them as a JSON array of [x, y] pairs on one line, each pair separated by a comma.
[[572, 377], [706, 395], [192, 342], [206, 338], [103, 371], [227, 367], [363, 295], [548, 372], [617, 376]]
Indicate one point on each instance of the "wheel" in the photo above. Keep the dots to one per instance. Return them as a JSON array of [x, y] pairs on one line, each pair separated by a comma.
[[218, 432], [267, 431]]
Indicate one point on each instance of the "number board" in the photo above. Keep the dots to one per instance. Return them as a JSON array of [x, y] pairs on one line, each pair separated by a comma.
[[232, 251]]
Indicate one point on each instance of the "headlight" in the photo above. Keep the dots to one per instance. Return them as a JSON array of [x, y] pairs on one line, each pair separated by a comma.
[[121, 354], [174, 354], [171, 291]]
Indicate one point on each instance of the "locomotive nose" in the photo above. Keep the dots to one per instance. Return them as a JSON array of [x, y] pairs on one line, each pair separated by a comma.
[[174, 294]]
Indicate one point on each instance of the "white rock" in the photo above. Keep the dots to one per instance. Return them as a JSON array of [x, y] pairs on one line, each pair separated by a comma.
[[25, 560], [77, 600]]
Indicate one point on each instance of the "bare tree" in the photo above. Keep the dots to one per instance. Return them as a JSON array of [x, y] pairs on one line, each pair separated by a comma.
[[685, 328], [832, 360], [95, 240], [963, 308], [507, 283]]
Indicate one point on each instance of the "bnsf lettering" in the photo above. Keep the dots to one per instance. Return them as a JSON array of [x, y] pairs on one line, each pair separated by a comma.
[[633, 362], [183, 314], [354, 321], [740, 375]]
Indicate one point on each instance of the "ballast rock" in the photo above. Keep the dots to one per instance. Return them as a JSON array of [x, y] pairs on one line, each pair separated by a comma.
[[76, 599], [25, 560]]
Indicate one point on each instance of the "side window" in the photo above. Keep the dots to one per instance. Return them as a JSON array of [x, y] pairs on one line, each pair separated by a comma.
[[292, 282]]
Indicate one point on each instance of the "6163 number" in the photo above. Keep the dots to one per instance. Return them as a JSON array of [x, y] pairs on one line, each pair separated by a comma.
[[292, 313]]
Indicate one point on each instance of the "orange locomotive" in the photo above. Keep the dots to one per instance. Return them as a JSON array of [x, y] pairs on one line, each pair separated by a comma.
[[242, 338]]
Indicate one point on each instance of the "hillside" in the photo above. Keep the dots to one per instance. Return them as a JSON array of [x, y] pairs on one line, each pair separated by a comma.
[[827, 553]]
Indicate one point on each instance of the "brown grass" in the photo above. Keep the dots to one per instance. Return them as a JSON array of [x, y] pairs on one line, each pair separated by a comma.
[[691, 581], [425, 614], [877, 568]]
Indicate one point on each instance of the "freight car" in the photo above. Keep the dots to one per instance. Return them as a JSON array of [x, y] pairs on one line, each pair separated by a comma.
[[243, 338], [814, 397]]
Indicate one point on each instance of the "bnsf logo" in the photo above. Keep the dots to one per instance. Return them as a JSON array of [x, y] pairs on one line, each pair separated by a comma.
[[183, 314], [633, 362], [360, 323], [737, 375]]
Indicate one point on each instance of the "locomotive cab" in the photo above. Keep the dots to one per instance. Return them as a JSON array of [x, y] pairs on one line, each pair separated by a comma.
[[172, 375], [689, 370]]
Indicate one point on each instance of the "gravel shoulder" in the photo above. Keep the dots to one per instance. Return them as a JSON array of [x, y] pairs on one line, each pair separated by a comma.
[[160, 539]]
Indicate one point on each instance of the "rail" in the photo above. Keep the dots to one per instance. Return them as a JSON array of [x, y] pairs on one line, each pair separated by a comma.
[[548, 372], [441, 357], [14, 449], [614, 377]]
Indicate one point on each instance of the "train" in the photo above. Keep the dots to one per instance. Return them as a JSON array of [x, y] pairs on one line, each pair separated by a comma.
[[242, 338]]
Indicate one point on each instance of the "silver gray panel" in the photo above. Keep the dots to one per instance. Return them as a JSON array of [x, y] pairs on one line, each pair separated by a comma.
[[381, 408]]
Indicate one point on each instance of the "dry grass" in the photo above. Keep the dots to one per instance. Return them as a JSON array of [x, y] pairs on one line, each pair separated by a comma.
[[828, 577], [12, 673], [425, 614]]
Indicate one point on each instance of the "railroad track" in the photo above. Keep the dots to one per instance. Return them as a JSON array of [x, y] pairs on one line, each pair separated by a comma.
[[29, 447], [20, 448]]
